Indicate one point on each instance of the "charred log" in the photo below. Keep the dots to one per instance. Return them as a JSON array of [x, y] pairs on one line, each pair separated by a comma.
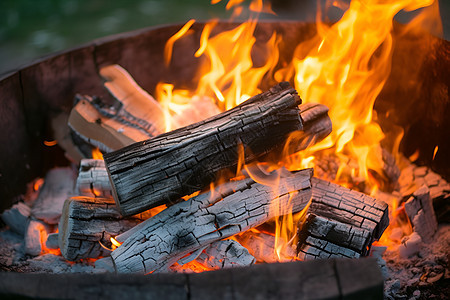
[[234, 207], [87, 225], [186, 160], [324, 238], [341, 222]]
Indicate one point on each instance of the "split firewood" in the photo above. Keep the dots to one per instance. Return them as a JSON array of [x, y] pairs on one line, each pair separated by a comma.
[[188, 159], [93, 180], [137, 106], [335, 202], [319, 237], [103, 127], [87, 225], [419, 209], [233, 207], [136, 116], [58, 186]]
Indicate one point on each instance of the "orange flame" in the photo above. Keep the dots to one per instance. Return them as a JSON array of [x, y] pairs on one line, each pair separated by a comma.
[[97, 154], [344, 67]]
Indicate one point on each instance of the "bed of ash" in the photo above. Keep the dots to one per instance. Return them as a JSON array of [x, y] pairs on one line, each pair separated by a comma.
[[414, 266]]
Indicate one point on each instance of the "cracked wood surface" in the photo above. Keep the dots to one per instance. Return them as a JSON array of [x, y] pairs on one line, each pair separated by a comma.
[[339, 203], [322, 238], [93, 180], [341, 222], [156, 244], [86, 222], [163, 169]]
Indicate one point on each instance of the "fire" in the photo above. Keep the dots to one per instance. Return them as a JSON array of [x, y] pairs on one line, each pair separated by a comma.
[[344, 67], [97, 154]]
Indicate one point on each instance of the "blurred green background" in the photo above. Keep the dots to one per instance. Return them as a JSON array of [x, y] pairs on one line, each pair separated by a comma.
[[32, 28]]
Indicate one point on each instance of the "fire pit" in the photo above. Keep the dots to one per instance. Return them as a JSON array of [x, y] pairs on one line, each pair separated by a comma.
[[36, 95]]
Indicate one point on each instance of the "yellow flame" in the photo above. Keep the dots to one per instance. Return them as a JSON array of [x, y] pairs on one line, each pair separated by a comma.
[[345, 66], [435, 151], [169, 44], [115, 243], [97, 154]]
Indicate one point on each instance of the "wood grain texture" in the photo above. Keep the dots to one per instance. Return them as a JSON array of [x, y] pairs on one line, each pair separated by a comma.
[[178, 163], [93, 180], [87, 222], [336, 202], [321, 238], [340, 223], [236, 206]]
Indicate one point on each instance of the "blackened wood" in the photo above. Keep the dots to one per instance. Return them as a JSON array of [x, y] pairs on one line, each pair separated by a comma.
[[322, 238], [87, 222], [236, 206], [163, 169], [316, 124], [338, 203]]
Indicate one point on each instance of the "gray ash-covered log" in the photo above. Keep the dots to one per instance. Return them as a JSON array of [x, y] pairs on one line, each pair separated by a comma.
[[87, 224], [92, 180], [320, 237], [233, 207], [188, 159], [341, 222]]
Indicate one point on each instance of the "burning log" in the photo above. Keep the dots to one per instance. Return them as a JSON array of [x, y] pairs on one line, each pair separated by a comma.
[[88, 223], [340, 223], [186, 160], [93, 180], [159, 242], [92, 121], [341, 204], [323, 238], [113, 127]]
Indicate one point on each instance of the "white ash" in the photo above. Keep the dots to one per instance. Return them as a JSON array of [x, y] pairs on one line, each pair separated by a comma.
[[422, 274]]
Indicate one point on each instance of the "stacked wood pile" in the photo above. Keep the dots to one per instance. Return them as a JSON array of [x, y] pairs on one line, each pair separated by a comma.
[[145, 168]]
